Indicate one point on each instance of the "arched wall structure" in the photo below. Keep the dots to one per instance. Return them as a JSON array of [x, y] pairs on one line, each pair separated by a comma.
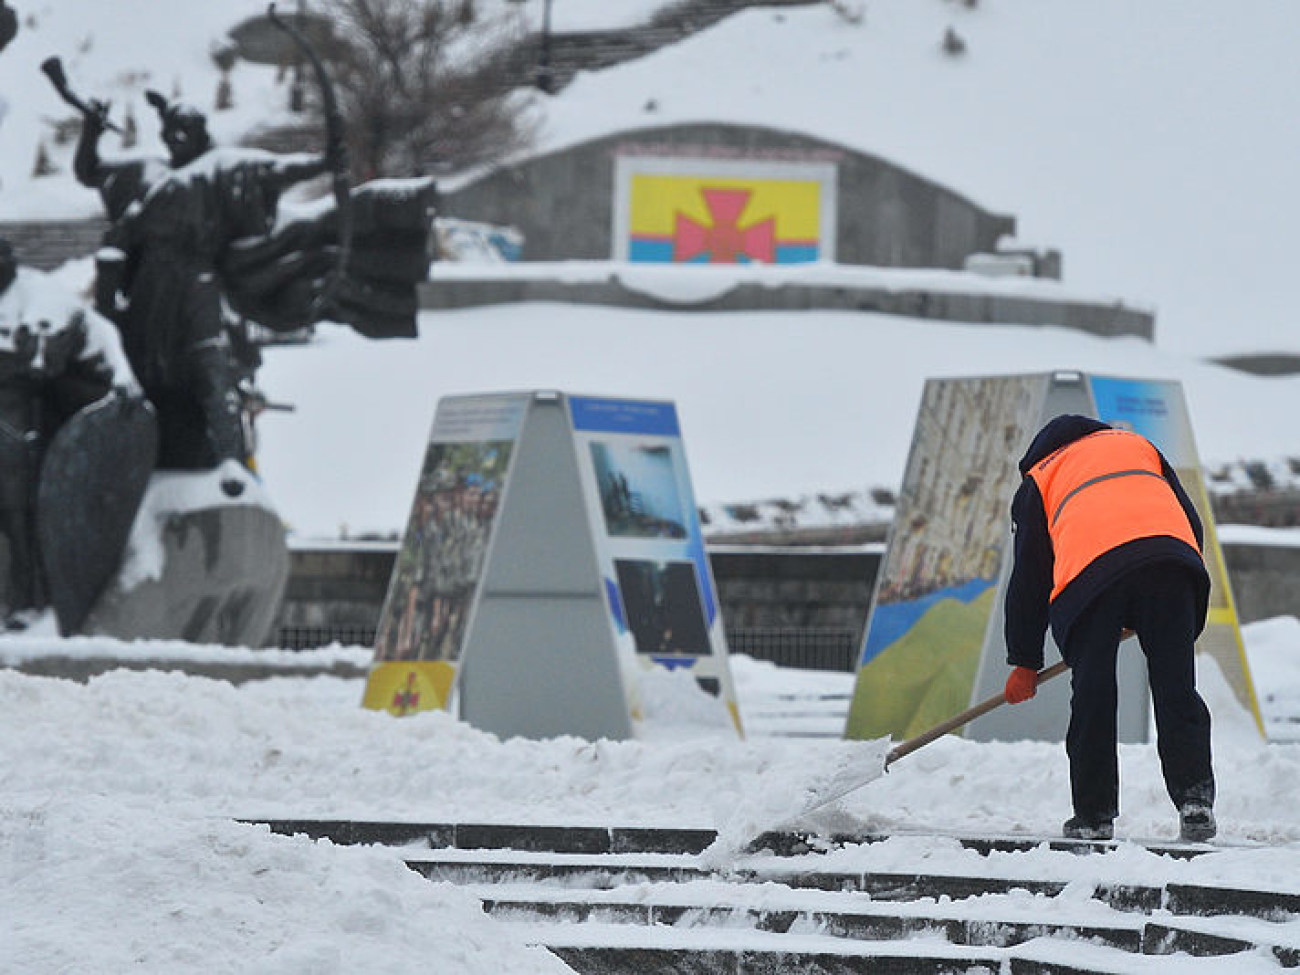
[[597, 201]]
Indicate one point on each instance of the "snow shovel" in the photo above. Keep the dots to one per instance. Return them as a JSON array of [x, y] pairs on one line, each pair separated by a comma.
[[854, 777]]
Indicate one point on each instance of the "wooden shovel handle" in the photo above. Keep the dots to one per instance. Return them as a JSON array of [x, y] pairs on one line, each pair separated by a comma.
[[970, 714]]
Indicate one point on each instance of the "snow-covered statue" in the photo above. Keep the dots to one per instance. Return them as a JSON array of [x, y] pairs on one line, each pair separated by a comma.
[[76, 448], [198, 245], [159, 271]]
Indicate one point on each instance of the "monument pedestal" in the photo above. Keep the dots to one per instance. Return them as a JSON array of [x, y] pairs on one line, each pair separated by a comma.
[[211, 571]]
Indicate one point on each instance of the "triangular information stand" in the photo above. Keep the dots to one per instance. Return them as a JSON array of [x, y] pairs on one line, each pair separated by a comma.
[[552, 567], [934, 641]]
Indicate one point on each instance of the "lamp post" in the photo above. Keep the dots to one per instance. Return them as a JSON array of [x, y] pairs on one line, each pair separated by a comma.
[[543, 77]]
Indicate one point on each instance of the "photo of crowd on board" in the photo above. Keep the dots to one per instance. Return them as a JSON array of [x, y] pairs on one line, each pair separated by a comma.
[[441, 558]]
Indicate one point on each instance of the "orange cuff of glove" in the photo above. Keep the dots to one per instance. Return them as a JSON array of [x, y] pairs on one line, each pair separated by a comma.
[[1021, 685]]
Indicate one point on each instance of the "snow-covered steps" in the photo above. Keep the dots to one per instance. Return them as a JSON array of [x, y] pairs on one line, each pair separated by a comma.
[[778, 910], [638, 899], [1007, 920], [810, 714]]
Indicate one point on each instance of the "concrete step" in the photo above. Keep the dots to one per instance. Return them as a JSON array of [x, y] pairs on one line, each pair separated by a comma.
[[649, 839], [979, 910], [796, 842], [573, 870], [726, 953], [500, 836]]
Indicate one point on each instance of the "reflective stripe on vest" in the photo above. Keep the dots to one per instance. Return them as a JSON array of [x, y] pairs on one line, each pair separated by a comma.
[[1100, 492]]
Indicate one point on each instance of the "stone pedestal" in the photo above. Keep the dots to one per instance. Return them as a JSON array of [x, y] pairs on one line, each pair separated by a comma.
[[223, 575]]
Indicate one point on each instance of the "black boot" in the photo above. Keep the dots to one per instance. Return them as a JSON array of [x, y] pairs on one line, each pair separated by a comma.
[[1196, 822], [1078, 828]]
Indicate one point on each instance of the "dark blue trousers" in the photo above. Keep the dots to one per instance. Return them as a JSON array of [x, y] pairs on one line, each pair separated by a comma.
[[1158, 602]]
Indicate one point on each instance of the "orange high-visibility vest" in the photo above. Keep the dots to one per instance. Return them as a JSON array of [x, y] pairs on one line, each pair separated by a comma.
[[1102, 491]]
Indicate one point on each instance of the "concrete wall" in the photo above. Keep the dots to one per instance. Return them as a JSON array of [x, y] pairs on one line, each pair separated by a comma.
[[1265, 579], [802, 606], [45, 244], [886, 216], [333, 595], [1270, 508], [1097, 318]]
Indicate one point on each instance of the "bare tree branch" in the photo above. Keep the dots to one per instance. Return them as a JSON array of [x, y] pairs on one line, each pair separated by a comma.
[[418, 86]]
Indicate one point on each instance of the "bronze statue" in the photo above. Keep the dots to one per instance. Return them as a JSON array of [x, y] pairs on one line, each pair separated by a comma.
[[159, 272], [194, 252]]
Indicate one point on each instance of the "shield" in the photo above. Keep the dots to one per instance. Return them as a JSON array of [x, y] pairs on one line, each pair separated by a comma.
[[93, 478]]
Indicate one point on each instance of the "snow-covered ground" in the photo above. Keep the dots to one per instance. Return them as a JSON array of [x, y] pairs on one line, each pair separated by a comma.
[[119, 848]]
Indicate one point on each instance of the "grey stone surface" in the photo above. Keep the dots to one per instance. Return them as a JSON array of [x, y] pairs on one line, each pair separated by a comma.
[[608, 961], [1265, 580], [223, 575]]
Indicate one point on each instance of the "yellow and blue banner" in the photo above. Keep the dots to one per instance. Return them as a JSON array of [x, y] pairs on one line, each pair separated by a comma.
[[702, 218], [937, 588]]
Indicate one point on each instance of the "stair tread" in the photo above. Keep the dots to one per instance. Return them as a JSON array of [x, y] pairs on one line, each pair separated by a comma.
[[1011, 908], [742, 939], [543, 857]]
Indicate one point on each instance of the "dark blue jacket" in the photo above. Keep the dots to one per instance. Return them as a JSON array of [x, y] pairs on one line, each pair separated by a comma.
[[1029, 610]]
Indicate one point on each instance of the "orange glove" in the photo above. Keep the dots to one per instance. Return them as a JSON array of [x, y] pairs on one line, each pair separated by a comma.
[[1021, 685]]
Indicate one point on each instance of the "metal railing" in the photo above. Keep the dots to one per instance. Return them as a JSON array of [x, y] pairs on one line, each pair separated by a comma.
[[310, 637], [805, 648]]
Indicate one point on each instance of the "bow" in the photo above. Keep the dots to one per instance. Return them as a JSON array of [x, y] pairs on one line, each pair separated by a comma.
[[335, 156]]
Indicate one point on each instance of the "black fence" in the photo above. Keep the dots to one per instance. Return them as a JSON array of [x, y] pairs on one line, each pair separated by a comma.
[[816, 648], [311, 637], [822, 648]]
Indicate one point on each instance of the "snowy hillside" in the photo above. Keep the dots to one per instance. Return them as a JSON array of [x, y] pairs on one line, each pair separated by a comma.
[[1153, 142]]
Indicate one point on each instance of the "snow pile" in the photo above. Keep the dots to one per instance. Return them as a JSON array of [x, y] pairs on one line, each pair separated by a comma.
[[93, 884]]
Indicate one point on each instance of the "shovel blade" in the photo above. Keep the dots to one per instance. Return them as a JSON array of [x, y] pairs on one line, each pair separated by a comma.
[[859, 767]]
